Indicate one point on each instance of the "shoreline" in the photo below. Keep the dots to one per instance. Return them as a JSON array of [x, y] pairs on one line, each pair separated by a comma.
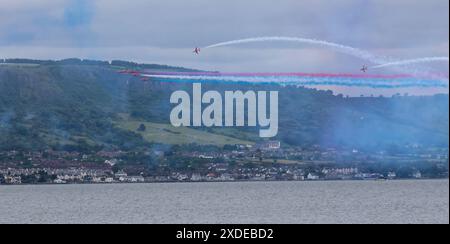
[[235, 181]]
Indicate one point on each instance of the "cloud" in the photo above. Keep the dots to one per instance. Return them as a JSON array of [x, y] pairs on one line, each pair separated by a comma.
[[165, 31], [78, 13]]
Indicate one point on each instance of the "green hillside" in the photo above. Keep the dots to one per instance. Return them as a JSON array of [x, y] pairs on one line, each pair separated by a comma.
[[79, 105]]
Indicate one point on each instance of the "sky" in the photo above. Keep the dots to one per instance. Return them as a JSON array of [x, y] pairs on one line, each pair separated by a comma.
[[166, 31]]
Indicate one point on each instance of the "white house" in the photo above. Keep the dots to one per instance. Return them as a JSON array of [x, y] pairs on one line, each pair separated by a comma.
[[312, 177], [392, 175], [417, 175]]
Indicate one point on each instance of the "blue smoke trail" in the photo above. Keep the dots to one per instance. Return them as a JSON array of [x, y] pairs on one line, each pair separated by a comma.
[[310, 81]]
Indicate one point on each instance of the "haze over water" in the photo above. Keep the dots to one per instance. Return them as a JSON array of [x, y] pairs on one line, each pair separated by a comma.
[[424, 201]]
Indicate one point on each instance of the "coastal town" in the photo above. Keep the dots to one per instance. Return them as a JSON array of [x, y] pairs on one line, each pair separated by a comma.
[[266, 161]]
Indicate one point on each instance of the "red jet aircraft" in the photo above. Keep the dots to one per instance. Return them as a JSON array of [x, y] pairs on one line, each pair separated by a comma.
[[364, 68]]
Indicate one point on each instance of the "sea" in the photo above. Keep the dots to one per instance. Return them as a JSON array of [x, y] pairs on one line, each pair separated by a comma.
[[315, 202]]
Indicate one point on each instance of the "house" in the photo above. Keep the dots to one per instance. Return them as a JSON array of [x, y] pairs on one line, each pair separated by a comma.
[[111, 162], [221, 167], [59, 181], [211, 176], [226, 177], [417, 175], [137, 179], [109, 180], [120, 174], [182, 177], [392, 175], [299, 177], [202, 156], [259, 177], [269, 145], [13, 180], [196, 177], [312, 177], [97, 180], [131, 179], [243, 146]]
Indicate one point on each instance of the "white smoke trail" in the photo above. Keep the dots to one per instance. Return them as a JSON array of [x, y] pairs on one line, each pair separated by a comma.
[[338, 47], [412, 61], [378, 61]]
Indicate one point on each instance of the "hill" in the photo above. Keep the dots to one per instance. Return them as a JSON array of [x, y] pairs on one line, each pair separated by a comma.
[[86, 105]]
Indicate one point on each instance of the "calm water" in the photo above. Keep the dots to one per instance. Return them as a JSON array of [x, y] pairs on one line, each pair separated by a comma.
[[263, 202]]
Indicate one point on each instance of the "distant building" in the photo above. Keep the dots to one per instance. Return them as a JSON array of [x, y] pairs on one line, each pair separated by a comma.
[[111, 162], [109, 180], [269, 145], [97, 180], [226, 177], [120, 174], [59, 181], [299, 177], [259, 177], [312, 177], [417, 175], [182, 177], [13, 180], [137, 179], [392, 175], [221, 167], [244, 146], [196, 177], [211, 176], [206, 156], [132, 179]]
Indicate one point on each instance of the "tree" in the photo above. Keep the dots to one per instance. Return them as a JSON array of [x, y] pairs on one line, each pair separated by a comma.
[[142, 128], [115, 169]]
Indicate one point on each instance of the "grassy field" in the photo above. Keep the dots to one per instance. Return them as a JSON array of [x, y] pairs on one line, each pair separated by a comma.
[[167, 134]]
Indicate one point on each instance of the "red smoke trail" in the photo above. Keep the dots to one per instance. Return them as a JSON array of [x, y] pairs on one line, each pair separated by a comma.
[[293, 74]]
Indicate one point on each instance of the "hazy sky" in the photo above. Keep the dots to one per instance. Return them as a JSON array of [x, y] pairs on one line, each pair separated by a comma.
[[166, 31]]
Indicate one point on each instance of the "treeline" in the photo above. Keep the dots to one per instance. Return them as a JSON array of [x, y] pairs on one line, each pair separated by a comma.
[[134, 65], [77, 61], [70, 61]]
